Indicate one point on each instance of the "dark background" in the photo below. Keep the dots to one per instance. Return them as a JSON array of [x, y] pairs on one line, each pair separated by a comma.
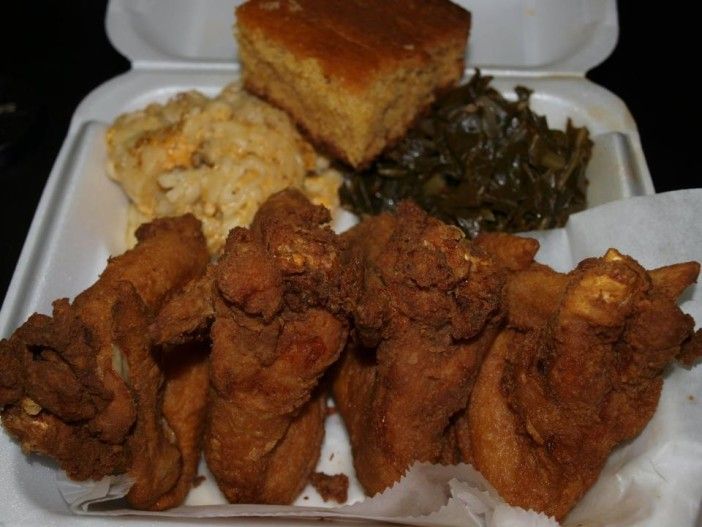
[[53, 53]]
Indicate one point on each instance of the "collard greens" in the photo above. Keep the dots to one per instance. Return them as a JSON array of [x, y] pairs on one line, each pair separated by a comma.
[[481, 162]]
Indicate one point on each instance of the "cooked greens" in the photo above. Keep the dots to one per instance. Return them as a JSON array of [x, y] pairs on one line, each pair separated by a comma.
[[481, 162]]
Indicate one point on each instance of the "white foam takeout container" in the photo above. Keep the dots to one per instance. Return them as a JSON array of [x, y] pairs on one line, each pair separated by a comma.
[[177, 45]]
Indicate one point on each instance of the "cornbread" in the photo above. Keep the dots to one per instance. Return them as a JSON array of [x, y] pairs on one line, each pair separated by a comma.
[[217, 158], [353, 74]]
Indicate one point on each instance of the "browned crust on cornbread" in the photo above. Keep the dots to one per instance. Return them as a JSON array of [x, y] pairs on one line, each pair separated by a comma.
[[352, 73], [357, 39]]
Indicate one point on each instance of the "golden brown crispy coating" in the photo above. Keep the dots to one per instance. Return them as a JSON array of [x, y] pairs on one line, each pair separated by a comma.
[[691, 350], [55, 363], [301, 445], [83, 388], [168, 255], [262, 379], [514, 253], [187, 317], [273, 299], [524, 308], [46, 434], [155, 461], [273, 338], [562, 386], [186, 384], [428, 308]]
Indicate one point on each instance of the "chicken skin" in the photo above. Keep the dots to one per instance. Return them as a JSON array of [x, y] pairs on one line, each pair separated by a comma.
[[273, 308], [577, 370], [185, 396], [427, 310], [83, 386]]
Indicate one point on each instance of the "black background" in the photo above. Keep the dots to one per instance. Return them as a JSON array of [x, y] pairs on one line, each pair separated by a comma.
[[53, 53]]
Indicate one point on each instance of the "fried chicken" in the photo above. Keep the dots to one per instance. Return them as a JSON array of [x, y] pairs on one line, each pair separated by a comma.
[[460, 351], [83, 386], [577, 371], [427, 310], [273, 305], [185, 397]]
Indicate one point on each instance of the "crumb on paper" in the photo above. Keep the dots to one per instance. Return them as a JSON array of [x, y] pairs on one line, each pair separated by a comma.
[[690, 397], [331, 486], [331, 410], [198, 480], [331, 456]]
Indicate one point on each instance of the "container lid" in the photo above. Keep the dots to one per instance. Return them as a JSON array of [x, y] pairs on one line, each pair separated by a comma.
[[524, 37]]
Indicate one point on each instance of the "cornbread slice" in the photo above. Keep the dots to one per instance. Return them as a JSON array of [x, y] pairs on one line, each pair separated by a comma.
[[353, 74]]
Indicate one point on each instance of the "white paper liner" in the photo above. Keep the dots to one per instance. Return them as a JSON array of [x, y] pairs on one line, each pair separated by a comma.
[[654, 480]]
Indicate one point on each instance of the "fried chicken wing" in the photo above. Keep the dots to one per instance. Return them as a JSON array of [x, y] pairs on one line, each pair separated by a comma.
[[83, 386], [563, 385], [428, 308], [185, 397], [273, 303]]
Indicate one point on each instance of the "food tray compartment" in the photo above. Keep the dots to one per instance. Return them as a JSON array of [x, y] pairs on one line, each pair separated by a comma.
[[85, 212], [186, 44], [81, 219]]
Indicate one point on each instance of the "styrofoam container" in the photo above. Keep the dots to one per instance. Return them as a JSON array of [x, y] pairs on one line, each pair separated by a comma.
[[176, 45]]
